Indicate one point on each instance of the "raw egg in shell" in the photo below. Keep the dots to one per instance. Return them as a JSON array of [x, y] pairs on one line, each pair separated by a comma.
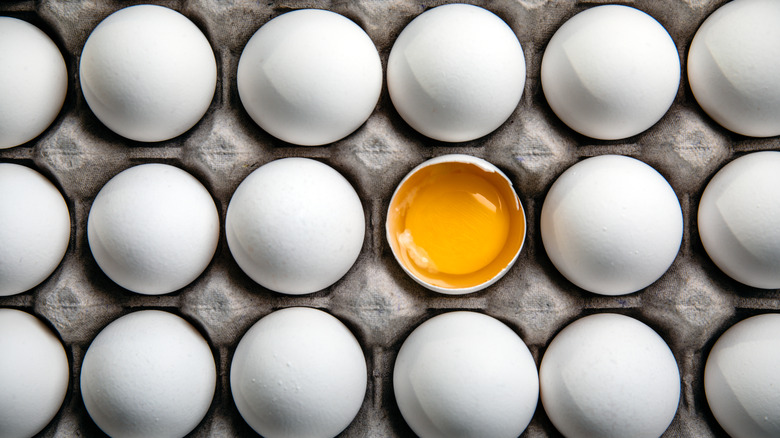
[[455, 224]]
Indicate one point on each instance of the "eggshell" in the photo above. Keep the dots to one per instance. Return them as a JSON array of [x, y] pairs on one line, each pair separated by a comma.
[[298, 372], [456, 72], [465, 374], [295, 225], [33, 374], [733, 64], [148, 73], [609, 376], [610, 72], [148, 373], [33, 82], [741, 378], [153, 228], [611, 224], [309, 77], [513, 245], [738, 216], [34, 228]]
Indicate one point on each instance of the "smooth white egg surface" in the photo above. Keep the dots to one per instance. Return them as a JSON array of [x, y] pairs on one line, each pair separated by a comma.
[[610, 72], [309, 77], [153, 228], [295, 225], [611, 224], [148, 73], [738, 219], [609, 376], [34, 374], [465, 374], [456, 72], [34, 228], [741, 378], [33, 82], [298, 372], [733, 65], [148, 374]]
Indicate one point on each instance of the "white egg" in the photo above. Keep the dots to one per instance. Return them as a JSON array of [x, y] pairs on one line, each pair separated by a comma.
[[611, 224], [465, 374], [148, 73], [609, 376], [309, 77], [34, 228], [153, 228], [33, 374], [295, 225], [738, 216], [610, 72], [456, 72], [741, 379], [733, 64], [148, 374], [298, 372], [33, 82]]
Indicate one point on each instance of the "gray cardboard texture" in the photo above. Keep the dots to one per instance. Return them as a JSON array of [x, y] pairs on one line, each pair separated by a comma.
[[690, 306]]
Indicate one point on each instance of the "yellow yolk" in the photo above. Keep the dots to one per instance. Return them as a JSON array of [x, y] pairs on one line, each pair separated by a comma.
[[455, 224]]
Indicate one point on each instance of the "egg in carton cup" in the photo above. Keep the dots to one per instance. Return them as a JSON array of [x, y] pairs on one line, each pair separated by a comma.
[[370, 302]]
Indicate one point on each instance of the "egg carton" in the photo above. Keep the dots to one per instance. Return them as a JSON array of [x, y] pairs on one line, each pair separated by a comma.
[[690, 306]]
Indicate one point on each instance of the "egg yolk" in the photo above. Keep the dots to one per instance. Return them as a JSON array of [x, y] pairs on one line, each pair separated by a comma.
[[456, 225]]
